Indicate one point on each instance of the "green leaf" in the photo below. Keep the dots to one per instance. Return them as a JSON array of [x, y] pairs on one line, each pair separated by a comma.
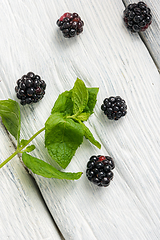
[[92, 99], [83, 116], [64, 104], [29, 148], [23, 142], [10, 114], [79, 96], [44, 169], [63, 129], [89, 136], [62, 138]]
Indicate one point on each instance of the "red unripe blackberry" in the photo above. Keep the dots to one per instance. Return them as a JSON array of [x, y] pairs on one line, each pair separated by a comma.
[[30, 88], [137, 17], [114, 107], [99, 170], [70, 24]]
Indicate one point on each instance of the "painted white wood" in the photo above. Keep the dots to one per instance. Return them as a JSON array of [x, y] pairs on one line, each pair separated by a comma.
[[23, 213], [107, 56]]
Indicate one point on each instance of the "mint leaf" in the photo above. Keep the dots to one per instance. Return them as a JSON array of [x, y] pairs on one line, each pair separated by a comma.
[[10, 114], [83, 116], [29, 148], [90, 105], [89, 136], [23, 142], [62, 138], [92, 99], [79, 96], [64, 104], [44, 169]]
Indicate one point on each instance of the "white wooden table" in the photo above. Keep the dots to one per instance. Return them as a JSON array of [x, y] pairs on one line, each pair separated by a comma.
[[105, 55]]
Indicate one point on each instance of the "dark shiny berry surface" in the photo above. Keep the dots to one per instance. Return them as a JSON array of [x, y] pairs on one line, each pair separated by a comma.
[[30, 88], [70, 24], [99, 170], [137, 17], [114, 107]]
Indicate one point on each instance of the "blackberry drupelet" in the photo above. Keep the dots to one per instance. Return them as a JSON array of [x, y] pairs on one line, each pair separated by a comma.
[[30, 88], [99, 170], [137, 17], [114, 107], [70, 24]]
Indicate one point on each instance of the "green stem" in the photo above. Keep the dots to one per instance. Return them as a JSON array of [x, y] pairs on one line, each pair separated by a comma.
[[73, 116], [21, 148]]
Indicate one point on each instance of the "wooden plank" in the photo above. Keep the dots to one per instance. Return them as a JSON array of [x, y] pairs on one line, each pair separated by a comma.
[[151, 35], [107, 56], [23, 213]]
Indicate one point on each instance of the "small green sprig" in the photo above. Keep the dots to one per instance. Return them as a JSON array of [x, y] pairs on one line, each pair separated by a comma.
[[64, 130]]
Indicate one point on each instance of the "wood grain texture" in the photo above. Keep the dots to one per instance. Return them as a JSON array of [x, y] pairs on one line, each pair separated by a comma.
[[107, 56], [23, 213]]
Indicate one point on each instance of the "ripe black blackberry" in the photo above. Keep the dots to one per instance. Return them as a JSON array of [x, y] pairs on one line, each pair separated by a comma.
[[137, 17], [99, 170], [30, 88], [114, 107], [70, 24]]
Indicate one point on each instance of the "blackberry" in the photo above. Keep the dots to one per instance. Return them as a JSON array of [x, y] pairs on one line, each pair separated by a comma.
[[70, 24], [30, 88], [137, 17], [99, 170], [114, 107]]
